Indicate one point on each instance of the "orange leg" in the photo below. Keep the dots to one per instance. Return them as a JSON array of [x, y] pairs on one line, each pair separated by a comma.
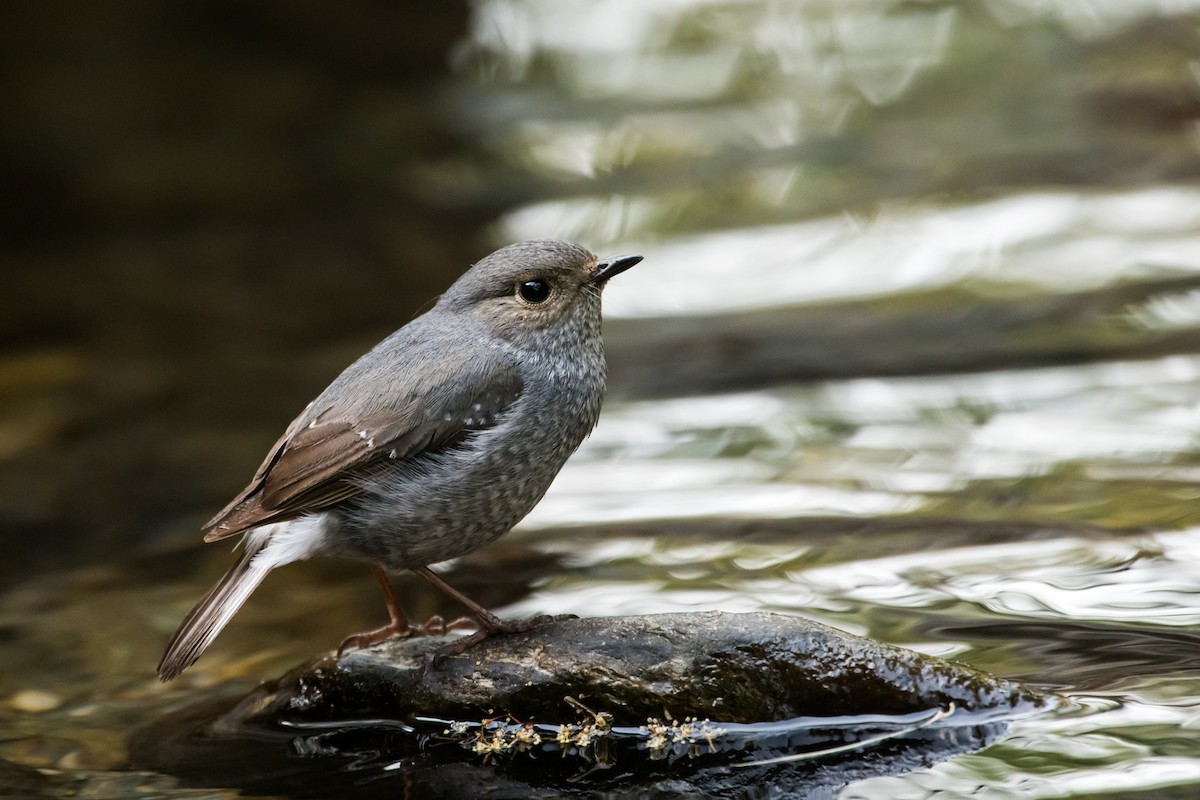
[[397, 624], [489, 623]]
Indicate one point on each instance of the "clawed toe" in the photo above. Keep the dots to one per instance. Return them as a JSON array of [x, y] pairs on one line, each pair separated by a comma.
[[398, 624], [434, 626], [500, 626], [367, 638]]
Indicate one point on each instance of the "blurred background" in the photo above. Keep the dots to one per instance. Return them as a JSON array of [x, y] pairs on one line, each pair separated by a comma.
[[912, 352]]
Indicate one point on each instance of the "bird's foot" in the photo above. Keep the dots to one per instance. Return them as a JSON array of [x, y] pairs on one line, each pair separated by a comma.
[[368, 638], [434, 626], [495, 625]]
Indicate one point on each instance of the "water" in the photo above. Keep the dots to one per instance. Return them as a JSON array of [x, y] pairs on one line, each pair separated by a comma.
[[912, 352]]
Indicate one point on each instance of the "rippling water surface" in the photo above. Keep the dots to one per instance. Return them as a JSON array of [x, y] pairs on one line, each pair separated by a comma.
[[913, 351]]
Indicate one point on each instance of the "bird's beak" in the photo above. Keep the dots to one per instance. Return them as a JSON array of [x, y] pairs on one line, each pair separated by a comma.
[[613, 266]]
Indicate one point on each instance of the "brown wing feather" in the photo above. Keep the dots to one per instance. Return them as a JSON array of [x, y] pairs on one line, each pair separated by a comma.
[[313, 465], [260, 475], [293, 483]]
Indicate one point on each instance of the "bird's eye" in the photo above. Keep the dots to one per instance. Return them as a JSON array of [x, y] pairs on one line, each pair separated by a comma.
[[534, 291]]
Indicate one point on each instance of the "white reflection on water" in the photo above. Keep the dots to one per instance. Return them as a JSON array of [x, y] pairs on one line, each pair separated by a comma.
[[1172, 311], [865, 447], [1055, 241], [632, 597], [1087, 18], [1143, 582], [611, 493], [1104, 748], [1149, 580], [696, 49]]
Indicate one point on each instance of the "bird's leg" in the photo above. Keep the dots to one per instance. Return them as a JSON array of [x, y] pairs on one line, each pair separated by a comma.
[[489, 622], [487, 619], [397, 625]]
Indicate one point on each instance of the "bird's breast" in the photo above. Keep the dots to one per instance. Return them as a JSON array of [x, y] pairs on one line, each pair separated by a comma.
[[445, 504]]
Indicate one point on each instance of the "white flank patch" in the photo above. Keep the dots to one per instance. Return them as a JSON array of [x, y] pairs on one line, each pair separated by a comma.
[[285, 542]]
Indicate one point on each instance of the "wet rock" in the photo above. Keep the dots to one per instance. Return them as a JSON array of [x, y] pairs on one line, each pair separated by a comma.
[[669, 705], [732, 667]]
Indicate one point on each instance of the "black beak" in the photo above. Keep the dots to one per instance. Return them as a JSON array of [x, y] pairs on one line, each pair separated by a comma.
[[613, 266]]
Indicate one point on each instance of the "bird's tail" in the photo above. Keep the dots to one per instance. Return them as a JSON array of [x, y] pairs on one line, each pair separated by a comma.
[[215, 609]]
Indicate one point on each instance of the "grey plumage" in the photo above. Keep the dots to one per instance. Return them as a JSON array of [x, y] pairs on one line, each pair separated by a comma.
[[437, 441]]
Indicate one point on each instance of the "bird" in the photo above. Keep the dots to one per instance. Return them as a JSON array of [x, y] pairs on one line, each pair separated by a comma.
[[433, 444]]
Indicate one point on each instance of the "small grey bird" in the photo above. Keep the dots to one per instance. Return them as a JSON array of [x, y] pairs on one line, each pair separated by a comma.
[[432, 445]]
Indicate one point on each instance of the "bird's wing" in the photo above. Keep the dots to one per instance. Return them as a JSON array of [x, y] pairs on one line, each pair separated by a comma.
[[317, 460]]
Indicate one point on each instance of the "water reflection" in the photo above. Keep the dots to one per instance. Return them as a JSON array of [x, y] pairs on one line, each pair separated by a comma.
[[950, 444], [1135, 746], [1045, 242], [1146, 581], [635, 121]]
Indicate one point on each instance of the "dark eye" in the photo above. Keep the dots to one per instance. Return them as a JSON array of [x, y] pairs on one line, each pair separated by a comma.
[[534, 291]]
